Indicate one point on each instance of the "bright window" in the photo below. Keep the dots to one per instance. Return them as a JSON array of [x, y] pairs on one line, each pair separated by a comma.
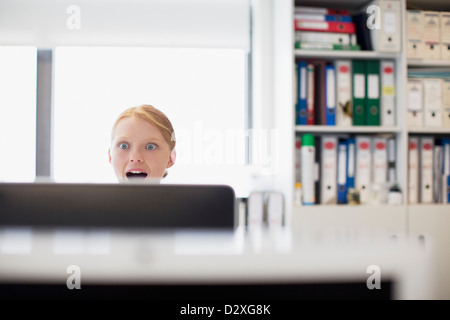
[[202, 91], [18, 114]]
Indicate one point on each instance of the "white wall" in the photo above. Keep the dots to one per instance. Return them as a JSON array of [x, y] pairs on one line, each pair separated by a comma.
[[180, 23]]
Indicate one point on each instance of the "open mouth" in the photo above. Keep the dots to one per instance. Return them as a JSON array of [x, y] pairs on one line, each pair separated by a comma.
[[136, 174]]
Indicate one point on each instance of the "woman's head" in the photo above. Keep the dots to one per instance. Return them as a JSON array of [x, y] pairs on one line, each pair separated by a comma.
[[142, 144]]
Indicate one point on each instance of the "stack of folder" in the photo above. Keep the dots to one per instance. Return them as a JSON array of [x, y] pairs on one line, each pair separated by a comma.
[[316, 93], [345, 92], [428, 101], [428, 34], [319, 28], [378, 26], [428, 170], [366, 163]]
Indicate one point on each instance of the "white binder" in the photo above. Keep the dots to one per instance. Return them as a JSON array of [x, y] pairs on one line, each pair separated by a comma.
[[431, 35], [328, 192], [446, 103], [391, 159], [326, 37], [379, 170], [413, 170], [363, 177], [445, 35], [275, 209], [432, 102], [344, 93], [426, 169], [380, 160], [388, 37], [437, 174], [387, 106], [414, 34], [255, 209], [414, 117]]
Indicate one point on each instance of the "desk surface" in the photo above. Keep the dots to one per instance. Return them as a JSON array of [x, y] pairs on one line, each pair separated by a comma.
[[185, 257]]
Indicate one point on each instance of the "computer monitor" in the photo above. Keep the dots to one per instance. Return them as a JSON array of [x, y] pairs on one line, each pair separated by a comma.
[[128, 205]]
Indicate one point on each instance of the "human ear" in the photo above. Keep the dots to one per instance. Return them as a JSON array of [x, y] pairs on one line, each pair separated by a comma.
[[109, 155], [173, 156]]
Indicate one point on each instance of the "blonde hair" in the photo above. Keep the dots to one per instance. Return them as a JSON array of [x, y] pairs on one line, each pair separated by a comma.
[[154, 116]]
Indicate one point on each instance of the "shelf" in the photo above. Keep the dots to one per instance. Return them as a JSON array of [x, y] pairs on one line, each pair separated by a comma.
[[438, 5], [429, 220], [430, 130], [424, 208], [428, 63], [354, 129], [363, 209], [344, 54], [391, 218], [342, 4], [284, 73], [426, 224]]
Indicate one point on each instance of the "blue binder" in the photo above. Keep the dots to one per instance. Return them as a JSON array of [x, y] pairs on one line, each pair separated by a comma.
[[301, 92], [342, 172], [351, 162], [335, 17], [447, 190], [330, 95]]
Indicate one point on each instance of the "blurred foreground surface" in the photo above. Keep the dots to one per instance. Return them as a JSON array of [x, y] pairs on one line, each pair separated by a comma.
[[255, 263]]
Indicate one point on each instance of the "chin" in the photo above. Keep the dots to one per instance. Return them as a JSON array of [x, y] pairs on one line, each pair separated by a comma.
[[148, 179]]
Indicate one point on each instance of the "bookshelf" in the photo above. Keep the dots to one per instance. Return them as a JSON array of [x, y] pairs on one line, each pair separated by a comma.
[[430, 222], [397, 219]]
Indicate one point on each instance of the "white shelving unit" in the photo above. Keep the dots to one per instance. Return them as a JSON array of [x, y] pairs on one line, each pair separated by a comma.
[[395, 218], [430, 223]]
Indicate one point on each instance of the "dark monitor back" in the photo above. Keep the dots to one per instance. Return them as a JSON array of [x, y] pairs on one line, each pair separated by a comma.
[[117, 205], [262, 292]]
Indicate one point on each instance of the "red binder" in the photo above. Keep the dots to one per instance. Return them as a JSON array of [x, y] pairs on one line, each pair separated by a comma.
[[325, 26]]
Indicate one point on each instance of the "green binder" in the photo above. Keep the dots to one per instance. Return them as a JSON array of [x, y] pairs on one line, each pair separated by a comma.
[[326, 46], [373, 93], [359, 92]]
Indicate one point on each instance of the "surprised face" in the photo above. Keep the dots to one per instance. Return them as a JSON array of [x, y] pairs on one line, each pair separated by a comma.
[[138, 150]]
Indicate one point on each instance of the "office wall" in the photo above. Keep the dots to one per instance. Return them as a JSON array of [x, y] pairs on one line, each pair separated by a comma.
[[181, 23]]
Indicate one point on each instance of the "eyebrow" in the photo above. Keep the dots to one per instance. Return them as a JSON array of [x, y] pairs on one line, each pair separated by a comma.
[[147, 139]]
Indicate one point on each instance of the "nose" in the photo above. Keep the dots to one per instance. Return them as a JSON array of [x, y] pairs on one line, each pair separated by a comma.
[[136, 157]]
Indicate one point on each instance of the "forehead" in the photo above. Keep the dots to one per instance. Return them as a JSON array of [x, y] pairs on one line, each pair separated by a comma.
[[134, 126]]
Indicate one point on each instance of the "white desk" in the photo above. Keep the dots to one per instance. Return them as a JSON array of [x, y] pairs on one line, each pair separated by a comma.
[[243, 257]]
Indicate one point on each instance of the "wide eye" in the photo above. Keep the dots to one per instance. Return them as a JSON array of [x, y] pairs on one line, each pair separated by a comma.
[[150, 146], [123, 145]]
